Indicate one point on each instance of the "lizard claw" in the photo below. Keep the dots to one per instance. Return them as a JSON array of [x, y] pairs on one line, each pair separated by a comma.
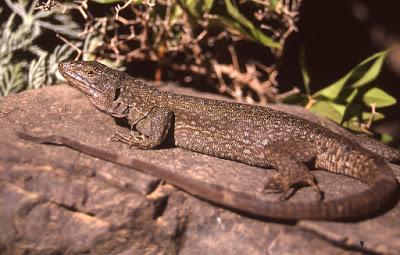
[[119, 137], [123, 138], [309, 180], [133, 139], [288, 187]]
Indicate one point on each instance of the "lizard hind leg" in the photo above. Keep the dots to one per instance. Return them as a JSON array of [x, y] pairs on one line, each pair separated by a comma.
[[287, 158]]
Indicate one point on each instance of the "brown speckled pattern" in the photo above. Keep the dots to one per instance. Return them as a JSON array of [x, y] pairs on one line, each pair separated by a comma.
[[242, 133]]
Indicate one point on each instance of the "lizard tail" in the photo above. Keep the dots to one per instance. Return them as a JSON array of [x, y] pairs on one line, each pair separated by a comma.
[[365, 204], [360, 164], [381, 194], [357, 206], [376, 173], [350, 159]]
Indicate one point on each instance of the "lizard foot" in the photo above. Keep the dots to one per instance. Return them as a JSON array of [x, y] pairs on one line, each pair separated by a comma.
[[288, 186], [278, 184], [133, 139], [288, 159]]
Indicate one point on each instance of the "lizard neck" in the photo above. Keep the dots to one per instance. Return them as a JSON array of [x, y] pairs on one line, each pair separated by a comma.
[[135, 92]]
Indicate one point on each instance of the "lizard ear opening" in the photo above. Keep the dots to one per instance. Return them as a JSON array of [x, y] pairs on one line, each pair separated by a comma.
[[117, 93]]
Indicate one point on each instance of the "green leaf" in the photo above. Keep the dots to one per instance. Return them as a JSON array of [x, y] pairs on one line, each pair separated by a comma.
[[304, 72], [274, 3], [386, 138], [61, 52], [176, 13], [350, 100], [362, 74], [11, 79], [378, 97], [208, 4], [336, 112], [367, 115], [37, 73], [354, 123], [330, 110], [254, 32], [197, 8], [332, 91], [351, 96], [373, 67], [232, 26]]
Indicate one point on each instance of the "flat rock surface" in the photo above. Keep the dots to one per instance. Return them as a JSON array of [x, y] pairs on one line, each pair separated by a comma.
[[55, 200]]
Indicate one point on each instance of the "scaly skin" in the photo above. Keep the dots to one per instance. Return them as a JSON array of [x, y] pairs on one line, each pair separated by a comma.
[[253, 135]]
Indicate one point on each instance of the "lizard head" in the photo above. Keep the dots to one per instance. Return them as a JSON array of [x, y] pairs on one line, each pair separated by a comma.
[[101, 84]]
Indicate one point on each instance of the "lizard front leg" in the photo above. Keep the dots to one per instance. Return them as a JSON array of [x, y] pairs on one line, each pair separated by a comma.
[[148, 132], [287, 158]]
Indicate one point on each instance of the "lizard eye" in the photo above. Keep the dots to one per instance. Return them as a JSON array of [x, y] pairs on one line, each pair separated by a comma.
[[89, 72]]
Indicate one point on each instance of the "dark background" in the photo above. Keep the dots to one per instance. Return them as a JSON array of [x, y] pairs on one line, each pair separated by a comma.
[[336, 36]]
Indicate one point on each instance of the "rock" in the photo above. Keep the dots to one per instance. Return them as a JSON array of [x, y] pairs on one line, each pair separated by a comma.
[[55, 200]]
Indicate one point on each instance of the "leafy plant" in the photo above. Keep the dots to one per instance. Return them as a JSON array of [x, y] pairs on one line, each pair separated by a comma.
[[179, 35], [192, 40], [353, 99], [23, 64], [248, 28]]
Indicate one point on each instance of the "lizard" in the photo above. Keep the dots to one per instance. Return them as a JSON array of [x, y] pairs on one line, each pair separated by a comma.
[[254, 135]]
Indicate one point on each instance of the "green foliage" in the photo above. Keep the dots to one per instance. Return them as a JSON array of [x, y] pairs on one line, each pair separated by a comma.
[[362, 74], [386, 138], [231, 19], [304, 73], [274, 3], [378, 97], [179, 35], [11, 79], [24, 65], [197, 8], [351, 101], [248, 28]]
